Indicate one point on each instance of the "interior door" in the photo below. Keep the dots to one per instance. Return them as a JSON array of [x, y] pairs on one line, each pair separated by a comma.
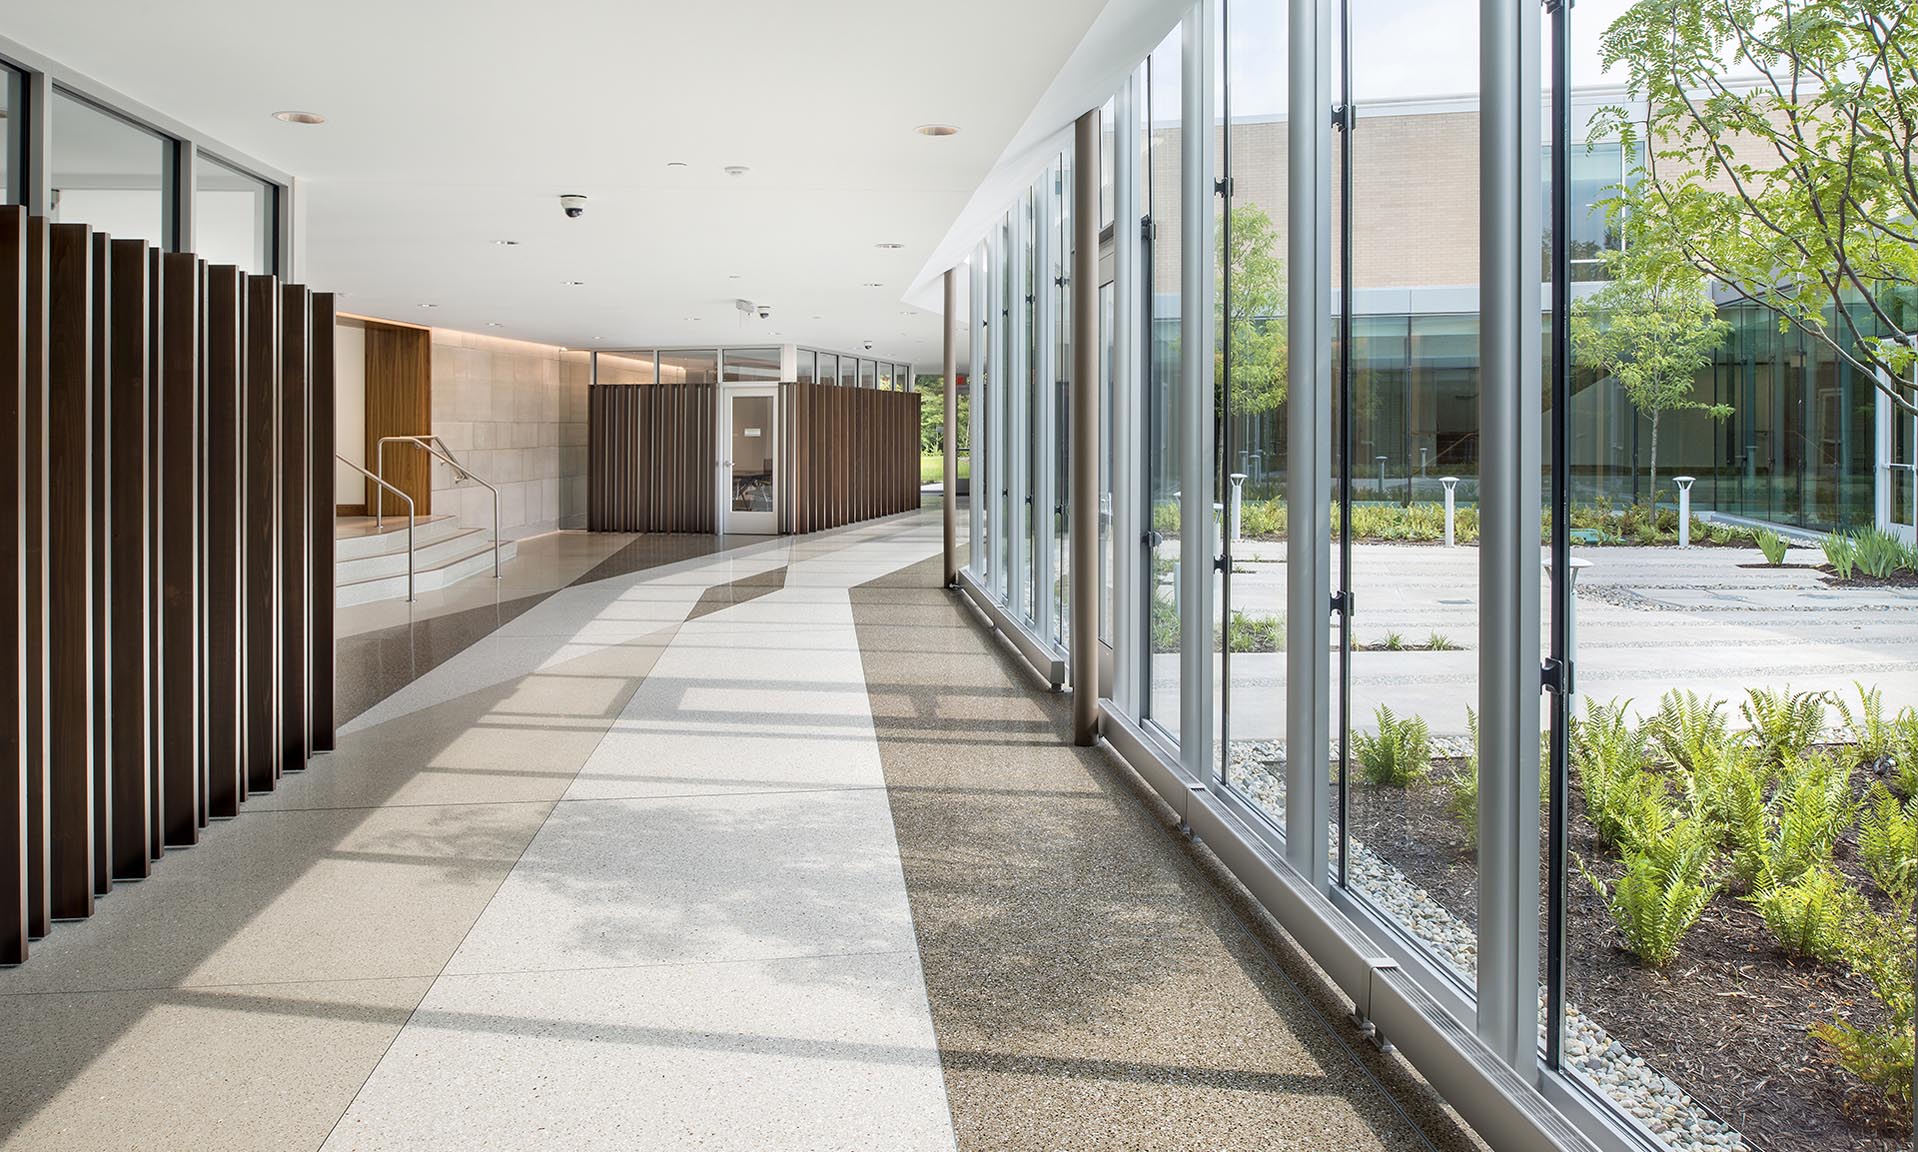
[[749, 464]]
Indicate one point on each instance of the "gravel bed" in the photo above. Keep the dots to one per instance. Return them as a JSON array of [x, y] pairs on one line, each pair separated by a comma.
[[1258, 771]]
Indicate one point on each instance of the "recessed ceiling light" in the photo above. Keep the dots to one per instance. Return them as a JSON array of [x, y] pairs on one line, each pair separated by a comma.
[[494, 324], [429, 305], [936, 130], [507, 243], [737, 169], [300, 117], [732, 276], [874, 284], [675, 163], [574, 283], [889, 246]]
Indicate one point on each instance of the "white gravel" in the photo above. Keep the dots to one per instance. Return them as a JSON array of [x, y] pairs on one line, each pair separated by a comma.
[[1665, 1109]]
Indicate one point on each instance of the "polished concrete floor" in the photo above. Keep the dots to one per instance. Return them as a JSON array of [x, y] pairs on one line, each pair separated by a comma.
[[739, 845]]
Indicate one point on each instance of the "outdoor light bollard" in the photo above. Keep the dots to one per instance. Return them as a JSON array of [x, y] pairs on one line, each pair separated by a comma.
[[1238, 503], [1451, 507], [1577, 565], [1381, 462], [1684, 510]]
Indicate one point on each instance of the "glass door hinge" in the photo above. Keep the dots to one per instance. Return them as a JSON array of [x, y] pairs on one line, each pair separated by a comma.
[[1342, 603], [1555, 676], [1222, 186]]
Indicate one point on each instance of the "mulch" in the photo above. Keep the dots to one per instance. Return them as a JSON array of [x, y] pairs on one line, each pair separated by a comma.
[[1728, 1020]]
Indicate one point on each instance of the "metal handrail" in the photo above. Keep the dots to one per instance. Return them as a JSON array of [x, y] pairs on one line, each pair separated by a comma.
[[376, 506], [443, 454]]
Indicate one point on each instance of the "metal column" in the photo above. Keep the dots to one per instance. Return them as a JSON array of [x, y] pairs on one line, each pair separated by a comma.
[[1196, 547], [1508, 629], [1083, 503]]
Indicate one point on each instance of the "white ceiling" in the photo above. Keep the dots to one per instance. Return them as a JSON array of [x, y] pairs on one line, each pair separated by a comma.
[[452, 125]]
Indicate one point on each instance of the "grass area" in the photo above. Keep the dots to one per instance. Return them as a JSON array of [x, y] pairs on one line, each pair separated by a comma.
[[932, 467]]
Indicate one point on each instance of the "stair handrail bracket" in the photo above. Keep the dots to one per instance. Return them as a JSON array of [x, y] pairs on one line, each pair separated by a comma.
[[410, 518], [435, 447]]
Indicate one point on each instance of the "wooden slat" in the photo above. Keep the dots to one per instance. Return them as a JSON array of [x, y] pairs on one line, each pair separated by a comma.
[[13, 573], [130, 569], [70, 568], [320, 503], [225, 575], [296, 529], [177, 552], [260, 521], [157, 720], [399, 402], [34, 697], [100, 515]]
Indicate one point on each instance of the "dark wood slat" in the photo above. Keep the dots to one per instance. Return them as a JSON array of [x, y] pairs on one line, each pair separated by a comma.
[[70, 568], [178, 700], [224, 576], [39, 838], [156, 591], [101, 519], [296, 528], [321, 503], [131, 569], [260, 523], [13, 574]]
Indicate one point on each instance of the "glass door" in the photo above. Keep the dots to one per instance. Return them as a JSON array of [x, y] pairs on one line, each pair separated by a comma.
[[748, 462], [1898, 471]]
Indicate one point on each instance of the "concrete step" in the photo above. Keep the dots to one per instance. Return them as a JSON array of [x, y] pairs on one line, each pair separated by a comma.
[[356, 537], [430, 552], [472, 558]]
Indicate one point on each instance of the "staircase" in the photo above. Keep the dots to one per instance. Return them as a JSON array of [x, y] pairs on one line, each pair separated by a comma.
[[370, 561]]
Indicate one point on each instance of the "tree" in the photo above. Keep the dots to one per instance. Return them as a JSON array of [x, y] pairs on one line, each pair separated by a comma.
[[932, 413], [1779, 138], [1256, 325], [1652, 327]]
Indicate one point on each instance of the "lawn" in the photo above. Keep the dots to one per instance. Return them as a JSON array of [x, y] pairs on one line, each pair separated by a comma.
[[932, 467]]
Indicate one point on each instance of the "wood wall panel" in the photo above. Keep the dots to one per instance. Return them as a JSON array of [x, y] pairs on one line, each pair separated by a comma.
[[224, 576], [130, 569], [13, 572], [39, 840], [70, 568], [324, 479], [651, 457], [260, 523], [177, 551], [100, 517], [399, 402], [854, 452], [296, 529], [156, 585]]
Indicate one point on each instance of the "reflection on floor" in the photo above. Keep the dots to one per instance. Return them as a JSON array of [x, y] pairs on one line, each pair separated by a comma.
[[621, 867]]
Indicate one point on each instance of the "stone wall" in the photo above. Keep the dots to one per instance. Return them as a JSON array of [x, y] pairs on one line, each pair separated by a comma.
[[514, 413]]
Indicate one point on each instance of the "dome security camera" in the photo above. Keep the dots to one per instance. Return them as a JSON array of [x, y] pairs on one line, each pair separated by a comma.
[[765, 312], [868, 345], [573, 204]]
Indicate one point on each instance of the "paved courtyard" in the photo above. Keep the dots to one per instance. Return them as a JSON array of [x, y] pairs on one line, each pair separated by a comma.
[[1648, 620]]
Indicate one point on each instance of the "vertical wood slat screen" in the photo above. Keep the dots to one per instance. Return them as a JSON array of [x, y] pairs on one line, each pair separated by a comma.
[[651, 454], [855, 454], [128, 378]]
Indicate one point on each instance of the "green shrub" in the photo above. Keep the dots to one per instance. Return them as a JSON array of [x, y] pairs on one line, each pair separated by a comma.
[[1257, 632], [1810, 915], [1398, 754], [1462, 786], [1263, 519], [1784, 723], [1724, 784], [1870, 732], [1814, 808], [1165, 518], [1165, 622], [1393, 642], [1608, 760], [1880, 554], [1888, 845], [1664, 890], [1686, 726], [1881, 952], [1904, 752], [1841, 552], [1771, 544]]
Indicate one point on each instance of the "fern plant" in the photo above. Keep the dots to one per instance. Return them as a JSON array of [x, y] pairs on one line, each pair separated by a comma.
[[1810, 916], [1461, 787], [1881, 952], [1400, 753], [1664, 890], [1814, 808], [1725, 783], [1686, 725], [1888, 845], [1870, 732], [1771, 544], [1608, 758], [1783, 722], [1904, 752]]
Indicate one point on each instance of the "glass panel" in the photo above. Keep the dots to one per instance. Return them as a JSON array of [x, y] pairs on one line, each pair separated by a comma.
[[694, 367], [752, 447], [885, 376], [868, 374], [109, 173], [1107, 126], [828, 367], [751, 365], [10, 192], [1106, 559], [803, 362], [234, 217], [1161, 567], [1250, 319], [1059, 257], [848, 372], [1410, 776], [1032, 394], [624, 368]]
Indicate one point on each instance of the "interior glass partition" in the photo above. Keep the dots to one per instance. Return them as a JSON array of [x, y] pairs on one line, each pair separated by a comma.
[[10, 136], [235, 217], [625, 368], [805, 364], [750, 365], [693, 366], [848, 372], [108, 172]]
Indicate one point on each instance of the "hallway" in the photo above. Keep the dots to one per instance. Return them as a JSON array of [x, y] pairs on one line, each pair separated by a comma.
[[767, 848]]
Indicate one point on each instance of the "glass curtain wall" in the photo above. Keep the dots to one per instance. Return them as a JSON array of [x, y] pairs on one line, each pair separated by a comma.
[[235, 217], [10, 190], [1161, 194], [110, 173]]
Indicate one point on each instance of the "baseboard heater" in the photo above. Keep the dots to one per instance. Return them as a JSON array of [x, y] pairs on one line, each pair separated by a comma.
[[1045, 660]]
